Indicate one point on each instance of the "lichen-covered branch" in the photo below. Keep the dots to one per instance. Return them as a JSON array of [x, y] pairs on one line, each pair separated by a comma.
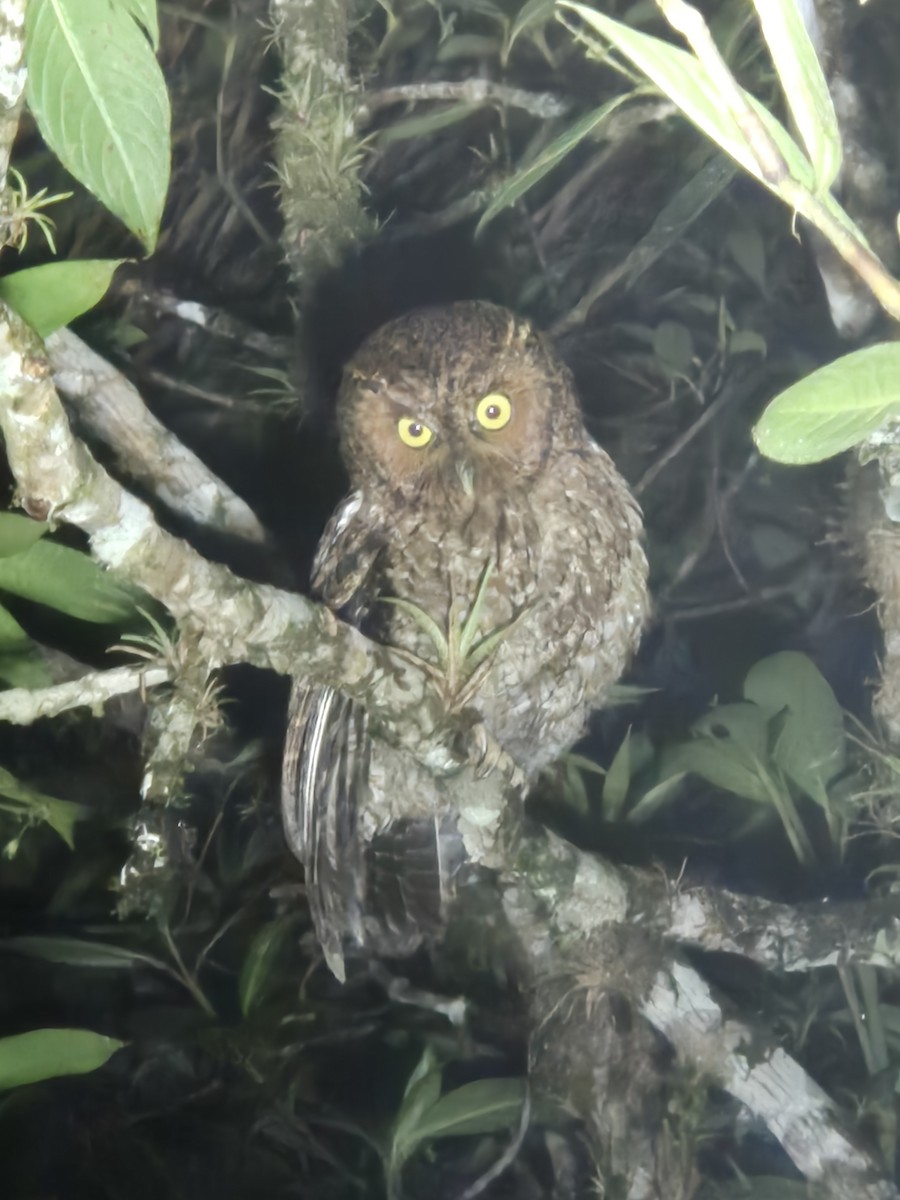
[[595, 947], [12, 78], [772, 1085], [110, 409], [23, 706], [317, 151]]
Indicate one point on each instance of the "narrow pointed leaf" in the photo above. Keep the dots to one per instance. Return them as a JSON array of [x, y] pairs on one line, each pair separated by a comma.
[[804, 86], [550, 156], [618, 778], [78, 952]]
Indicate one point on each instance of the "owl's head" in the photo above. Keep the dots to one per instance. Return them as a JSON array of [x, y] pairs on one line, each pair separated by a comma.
[[455, 396]]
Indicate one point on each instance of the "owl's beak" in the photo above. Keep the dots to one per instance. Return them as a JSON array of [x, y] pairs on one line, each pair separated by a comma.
[[466, 473]]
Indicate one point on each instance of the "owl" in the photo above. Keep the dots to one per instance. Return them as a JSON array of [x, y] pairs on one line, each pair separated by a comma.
[[487, 538]]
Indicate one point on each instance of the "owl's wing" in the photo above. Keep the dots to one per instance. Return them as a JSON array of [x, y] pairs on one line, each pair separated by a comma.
[[387, 892], [327, 750]]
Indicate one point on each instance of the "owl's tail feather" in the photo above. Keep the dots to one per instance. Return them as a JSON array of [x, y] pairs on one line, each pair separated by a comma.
[[386, 891], [326, 764]]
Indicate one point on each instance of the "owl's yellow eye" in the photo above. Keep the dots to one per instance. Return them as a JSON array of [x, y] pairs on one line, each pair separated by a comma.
[[494, 411], [414, 433]]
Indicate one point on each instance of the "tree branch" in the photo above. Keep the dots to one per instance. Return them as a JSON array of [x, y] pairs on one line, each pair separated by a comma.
[[110, 409]]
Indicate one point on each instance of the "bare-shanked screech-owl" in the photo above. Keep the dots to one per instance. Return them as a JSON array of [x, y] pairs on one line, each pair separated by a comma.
[[477, 496]]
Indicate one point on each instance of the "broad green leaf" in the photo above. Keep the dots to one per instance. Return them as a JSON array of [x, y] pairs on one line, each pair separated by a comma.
[[17, 532], [68, 581], [673, 346], [747, 341], [528, 176], [100, 100], [24, 668], [26, 801], [804, 86], [834, 408], [411, 127], [748, 250], [744, 724], [49, 1053], [13, 637], [485, 1106], [724, 763], [618, 777], [810, 748], [260, 961], [77, 952], [21, 664], [50, 296]]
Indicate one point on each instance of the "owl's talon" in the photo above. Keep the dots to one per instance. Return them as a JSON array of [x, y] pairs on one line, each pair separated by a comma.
[[487, 755]]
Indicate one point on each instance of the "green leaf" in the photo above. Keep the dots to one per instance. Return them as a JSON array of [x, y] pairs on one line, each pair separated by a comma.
[[27, 802], [834, 408], [804, 86], [748, 250], [441, 118], [100, 100], [655, 798], [17, 533], [13, 637], [485, 1106], [423, 1088], [726, 764], [534, 12], [24, 668], [528, 176], [50, 296], [811, 747], [684, 79], [680, 76], [49, 1053], [744, 724], [673, 346], [260, 961], [144, 12], [68, 581], [618, 777], [747, 341], [77, 952]]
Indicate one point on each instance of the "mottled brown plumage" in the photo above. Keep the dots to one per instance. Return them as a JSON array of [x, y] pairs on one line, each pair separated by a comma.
[[508, 503]]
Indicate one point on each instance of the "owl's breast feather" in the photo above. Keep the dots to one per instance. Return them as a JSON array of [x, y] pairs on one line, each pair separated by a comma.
[[565, 601]]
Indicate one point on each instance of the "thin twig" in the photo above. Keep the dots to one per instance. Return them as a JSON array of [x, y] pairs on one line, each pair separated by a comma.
[[469, 91]]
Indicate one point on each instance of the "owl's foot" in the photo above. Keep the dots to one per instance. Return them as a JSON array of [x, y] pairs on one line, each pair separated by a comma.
[[487, 756]]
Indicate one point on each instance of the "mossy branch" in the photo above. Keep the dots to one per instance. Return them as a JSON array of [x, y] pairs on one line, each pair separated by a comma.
[[317, 149]]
